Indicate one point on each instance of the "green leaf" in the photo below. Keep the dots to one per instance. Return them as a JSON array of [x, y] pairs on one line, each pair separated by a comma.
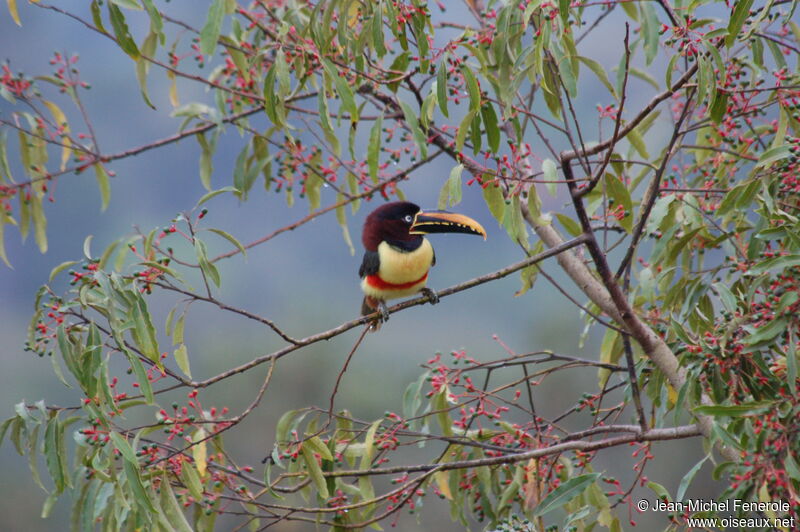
[[325, 122], [341, 217], [148, 50], [618, 191], [104, 185], [343, 89], [441, 86], [47, 507], [514, 224], [208, 195], [767, 333], [182, 359], [450, 194], [440, 406], [687, 478], [463, 129], [528, 274], [171, 508], [650, 30], [230, 238], [512, 489], [191, 479], [719, 105], [315, 472], [285, 423], [726, 296], [638, 143], [134, 479], [773, 155], [122, 445], [600, 72], [376, 27], [412, 397], [490, 125], [274, 105], [210, 32], [39, 223], [565, 493], [208, 269], [374, 148], [472, 88], [550, 171], [791, 369], [139, 371], [60, 268], [792, 468], [741, 10], [122, 33], [660, 491], [735, 410], [55, 456], [206, 161], [144, 333], [319, 447], [313, 184], [493, 195], [130, 4], [413, 123], [572, 227], [33, 456]]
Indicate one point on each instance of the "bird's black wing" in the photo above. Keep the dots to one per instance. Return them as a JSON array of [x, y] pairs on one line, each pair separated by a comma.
[[370, 264], [433, 259]]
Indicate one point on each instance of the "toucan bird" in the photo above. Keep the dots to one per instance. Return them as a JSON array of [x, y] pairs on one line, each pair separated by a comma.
[[397, 257]]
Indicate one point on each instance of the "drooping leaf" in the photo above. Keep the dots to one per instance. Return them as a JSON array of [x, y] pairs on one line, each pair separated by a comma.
[[182, 359], [121, 31], [550, 175], [450, 194], [413, 123], [315, 472], [374, 148], [493, 195], [103, 184], [741, 9], [210, 32]]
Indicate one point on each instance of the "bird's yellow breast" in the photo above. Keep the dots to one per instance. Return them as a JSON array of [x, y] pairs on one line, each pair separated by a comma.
[[400, 268]]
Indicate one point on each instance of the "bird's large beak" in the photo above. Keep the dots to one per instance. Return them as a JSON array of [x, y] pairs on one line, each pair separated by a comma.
[[426, 222]]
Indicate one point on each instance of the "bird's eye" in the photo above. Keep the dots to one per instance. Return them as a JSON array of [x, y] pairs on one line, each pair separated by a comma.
[[408, 218]]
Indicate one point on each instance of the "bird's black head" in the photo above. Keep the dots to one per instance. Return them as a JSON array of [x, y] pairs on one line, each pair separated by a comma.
[[402, 224], [391, 223]]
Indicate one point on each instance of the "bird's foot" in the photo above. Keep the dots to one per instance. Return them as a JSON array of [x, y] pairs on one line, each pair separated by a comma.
[[384, 311], [431, 295], [369, 306]]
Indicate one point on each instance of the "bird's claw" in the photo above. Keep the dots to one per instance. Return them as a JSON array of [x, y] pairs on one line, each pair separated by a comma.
[[431, 295], [384, 311]]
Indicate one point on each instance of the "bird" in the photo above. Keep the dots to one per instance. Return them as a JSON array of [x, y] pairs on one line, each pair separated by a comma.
[[397, 256]]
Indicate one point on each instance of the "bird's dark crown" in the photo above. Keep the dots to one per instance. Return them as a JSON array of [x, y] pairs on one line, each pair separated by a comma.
[[391, 223]]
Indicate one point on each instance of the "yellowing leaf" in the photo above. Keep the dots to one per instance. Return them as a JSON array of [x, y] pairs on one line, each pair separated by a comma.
[[200, 452], [103, 184], [443, 481], [182, 358], [173, 90]]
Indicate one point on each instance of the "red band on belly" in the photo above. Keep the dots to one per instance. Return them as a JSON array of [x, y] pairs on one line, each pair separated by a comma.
[[376, 282]]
